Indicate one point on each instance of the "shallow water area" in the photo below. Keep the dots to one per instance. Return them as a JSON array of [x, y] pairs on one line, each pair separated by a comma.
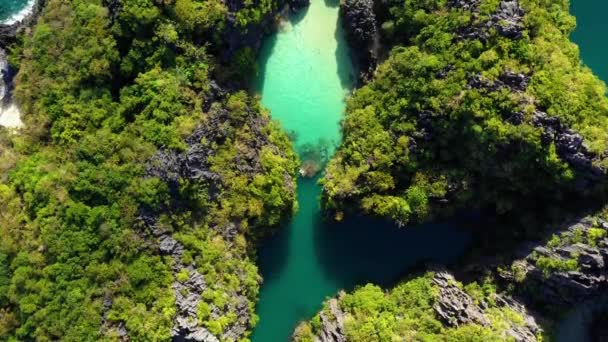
[[305, 76]]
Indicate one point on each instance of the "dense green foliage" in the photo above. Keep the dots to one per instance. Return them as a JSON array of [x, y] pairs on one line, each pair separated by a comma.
[[422, 139], [100, 94], [406, 313]]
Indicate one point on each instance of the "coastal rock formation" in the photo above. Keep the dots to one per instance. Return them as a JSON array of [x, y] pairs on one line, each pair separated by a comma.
[[9, 113], [570, 268], [332, 324], [9, 32], [450, 304], [455, 307], [447, 124], [569, 144], [507, 20], [359, 22]]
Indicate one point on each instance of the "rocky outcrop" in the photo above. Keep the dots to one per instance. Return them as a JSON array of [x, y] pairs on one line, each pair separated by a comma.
[[359, 22], [454, 307], [559, 287], [188, 291], [506, 21], [332, 328], [569, 144]]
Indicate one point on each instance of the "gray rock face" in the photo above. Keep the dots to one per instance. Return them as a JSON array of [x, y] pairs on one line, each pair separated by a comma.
[[194, 164], [332, 328], [569, 144], [570, 148], [507, 20], [455, 307], [566, 288], [359, 22]]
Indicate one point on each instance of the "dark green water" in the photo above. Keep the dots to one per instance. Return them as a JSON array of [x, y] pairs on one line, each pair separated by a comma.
[[305, 75], [11, 10], [590, 34]]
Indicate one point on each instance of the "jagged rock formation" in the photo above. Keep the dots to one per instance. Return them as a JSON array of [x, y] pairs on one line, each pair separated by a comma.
[[452, 306], [569, 144], [332, 325], [571, 268], [455, 307], [507, 20], [359, 22], [8, 34]]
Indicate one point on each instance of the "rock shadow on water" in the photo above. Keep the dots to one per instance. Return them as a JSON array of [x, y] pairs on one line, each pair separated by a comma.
[[361, 250], [295, 17], [332, 3], [273, 252], [345, 71]]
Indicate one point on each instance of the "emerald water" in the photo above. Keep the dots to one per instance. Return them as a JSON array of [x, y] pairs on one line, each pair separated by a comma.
[[590, 34], [305, 75]]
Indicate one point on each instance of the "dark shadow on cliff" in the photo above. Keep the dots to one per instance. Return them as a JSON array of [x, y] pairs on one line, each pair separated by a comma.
[[361, 250], [502, 240]]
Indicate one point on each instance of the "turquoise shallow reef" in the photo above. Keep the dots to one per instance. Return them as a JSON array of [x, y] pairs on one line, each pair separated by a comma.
[[305, 76]]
